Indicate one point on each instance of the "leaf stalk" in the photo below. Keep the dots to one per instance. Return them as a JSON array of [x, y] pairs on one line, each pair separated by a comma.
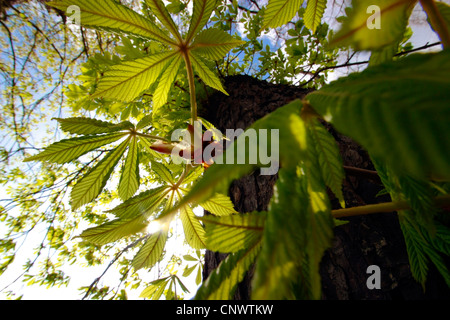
[[437, 21]]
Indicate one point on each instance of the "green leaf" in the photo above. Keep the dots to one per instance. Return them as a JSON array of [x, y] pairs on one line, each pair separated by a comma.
[[151, 251], [144, 122], [298, 230], [279, 12], [200, 16], [129, 180], [193, 175], [329, 158], [382, 107], [199, 277], [233, 233], [314, 13], [90, 186], [188, 257], [113, 230], [159, 9], [214, 43], [360, 32], [207, 76], [222, 283], [156, 288], [414, 246], [168, 77], [162, 172], [143, 204], [219, 205], [67, 150], [193, 230], [188, 270], [127, 80], [85, 126], [112, 16]]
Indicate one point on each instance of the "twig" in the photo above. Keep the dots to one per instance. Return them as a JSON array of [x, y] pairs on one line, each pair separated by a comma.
[[439, 201]]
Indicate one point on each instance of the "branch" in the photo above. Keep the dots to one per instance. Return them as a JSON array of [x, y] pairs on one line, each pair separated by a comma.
[[439, 201], [347, 64]]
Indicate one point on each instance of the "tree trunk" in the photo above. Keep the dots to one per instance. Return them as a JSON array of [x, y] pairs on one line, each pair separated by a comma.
[[368, 240]]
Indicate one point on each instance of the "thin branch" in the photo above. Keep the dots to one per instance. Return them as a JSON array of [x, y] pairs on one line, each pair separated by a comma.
[[111, 263], [439, 201]]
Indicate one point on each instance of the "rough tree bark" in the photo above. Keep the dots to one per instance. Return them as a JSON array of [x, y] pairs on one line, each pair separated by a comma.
[[369, 240]]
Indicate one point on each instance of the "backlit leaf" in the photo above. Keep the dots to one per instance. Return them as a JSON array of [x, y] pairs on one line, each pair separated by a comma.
[[113, 230], [360, 29], [314, 13], [129, 179], [89, 186], [143, 204], [222, 283], [279, 12], [200, 16], [219, 205], [159, 9], [67, 150], [127, 80], [85, 126], [112, 16], [193, 230], [207, 76], [151, 251], [233, 233], [167, 78], [214, 43]]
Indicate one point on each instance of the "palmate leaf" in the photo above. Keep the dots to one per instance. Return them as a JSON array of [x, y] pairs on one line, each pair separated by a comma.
[[167, 78], [329, 158], [394, 15], [89, 186], [112, 16], [314, 13], [156, 288], [151, 251], [320, 223], [219, 205], [207, 76], [114, 230], [279, 12], [85, 126], [420, 251], [214, 43], [162, 172], [67, 150], [129, 179], [233, 233], [202, 10], [127, 80], [193, 230], [222, 283], [159, 9], [382, 107], [143, 204], [425, 237]]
